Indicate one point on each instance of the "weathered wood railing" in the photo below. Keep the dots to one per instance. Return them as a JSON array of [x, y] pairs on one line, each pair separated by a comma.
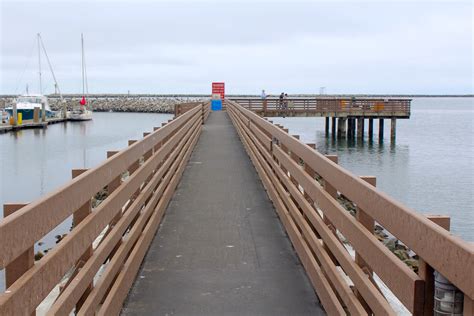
[[95, 265], [340, 107], [304, 184]]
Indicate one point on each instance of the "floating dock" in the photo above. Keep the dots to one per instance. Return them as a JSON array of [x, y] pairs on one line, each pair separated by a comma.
[[4, 128]]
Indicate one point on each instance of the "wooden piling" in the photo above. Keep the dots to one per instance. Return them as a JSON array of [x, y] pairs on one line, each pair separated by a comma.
[[371, 128], [381, 129], [327, 125], [360, 127], [393, 128], [333, 126]]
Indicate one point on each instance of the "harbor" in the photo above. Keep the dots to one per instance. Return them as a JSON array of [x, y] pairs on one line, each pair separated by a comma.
[[265, 159]]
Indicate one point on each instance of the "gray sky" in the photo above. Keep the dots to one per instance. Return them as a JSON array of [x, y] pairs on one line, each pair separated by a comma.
[[296, 47]]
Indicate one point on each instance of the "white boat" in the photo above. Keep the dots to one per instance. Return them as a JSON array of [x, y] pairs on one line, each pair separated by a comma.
[[82, 112], [26, 104]]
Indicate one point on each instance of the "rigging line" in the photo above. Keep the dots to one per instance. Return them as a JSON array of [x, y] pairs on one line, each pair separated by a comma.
[[50, 67], [27, 65], [82, 60]]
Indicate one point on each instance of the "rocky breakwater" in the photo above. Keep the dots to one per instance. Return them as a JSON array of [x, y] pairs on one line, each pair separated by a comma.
[[125, 104]]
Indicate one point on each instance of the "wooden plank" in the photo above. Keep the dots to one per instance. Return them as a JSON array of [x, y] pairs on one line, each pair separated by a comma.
[[21, 230], [377, 300], [40, 280], [114, 301], [403, 282], [403, 222], [317, 278], [115, 264]]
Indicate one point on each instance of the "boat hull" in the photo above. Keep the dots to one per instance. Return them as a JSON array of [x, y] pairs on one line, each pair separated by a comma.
[[28, 114], [86, 116]]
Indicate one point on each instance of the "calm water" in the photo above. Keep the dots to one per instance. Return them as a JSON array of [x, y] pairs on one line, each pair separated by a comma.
[[429, 168], [34, 162]]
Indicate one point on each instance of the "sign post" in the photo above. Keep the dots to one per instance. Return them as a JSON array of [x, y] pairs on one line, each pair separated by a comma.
[[218, 95]]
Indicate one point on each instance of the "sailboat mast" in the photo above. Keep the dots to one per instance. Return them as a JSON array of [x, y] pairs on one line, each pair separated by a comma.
[[39, 65], [82, 51]]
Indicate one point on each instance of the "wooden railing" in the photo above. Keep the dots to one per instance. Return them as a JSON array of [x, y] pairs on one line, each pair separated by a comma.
[[304, 186], [95, 265], [328, 107]]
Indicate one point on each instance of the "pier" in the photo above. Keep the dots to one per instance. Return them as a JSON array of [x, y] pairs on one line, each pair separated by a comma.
[[343, 116], [227, 213]]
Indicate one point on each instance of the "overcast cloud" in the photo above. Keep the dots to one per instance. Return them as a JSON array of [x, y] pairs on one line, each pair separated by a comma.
[[181, 47]]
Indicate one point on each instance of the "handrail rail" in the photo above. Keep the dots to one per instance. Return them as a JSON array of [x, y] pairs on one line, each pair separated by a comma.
[[123, 224], [324, 105], [282, 154]]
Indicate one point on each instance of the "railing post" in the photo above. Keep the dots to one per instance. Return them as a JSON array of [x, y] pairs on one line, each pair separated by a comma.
[[111, 187], [426, 272], [25, 261], [332, 192], [77, 217], [369, 223]]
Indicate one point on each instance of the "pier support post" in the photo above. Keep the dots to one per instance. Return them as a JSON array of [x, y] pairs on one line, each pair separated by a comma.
[[341, 126], [36, 114], [393, 128], [15, 114], [327, 126], [371, 128], [333, 126], [350, 127], [381, 129], [360, 127], [43, 112]]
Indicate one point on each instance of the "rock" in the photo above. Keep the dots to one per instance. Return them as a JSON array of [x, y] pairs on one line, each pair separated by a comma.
[[402, 254], [391, 244], [413, 264]]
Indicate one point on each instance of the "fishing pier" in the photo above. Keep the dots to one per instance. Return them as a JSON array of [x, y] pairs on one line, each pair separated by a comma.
[[224, 212], [344, 117]]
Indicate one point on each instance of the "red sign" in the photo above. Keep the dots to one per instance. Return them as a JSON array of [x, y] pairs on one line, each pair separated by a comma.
[[218, 88]]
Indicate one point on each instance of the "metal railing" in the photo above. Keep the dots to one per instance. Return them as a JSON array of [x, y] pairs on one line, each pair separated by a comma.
[[328, 107], [304, 186], [103, 252]]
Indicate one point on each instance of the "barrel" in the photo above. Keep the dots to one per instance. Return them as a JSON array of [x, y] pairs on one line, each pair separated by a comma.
[[20, 118]]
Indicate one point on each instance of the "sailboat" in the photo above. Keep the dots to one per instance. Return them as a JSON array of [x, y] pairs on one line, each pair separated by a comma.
[[26, 104], [83, 111]]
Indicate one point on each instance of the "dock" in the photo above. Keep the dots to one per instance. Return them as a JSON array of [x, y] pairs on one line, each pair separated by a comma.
[[29, 124], [226, 213], [222, 252]]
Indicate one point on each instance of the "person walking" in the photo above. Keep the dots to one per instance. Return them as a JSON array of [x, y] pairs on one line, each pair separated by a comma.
[[264, 102], [285, 104], [280, 101]]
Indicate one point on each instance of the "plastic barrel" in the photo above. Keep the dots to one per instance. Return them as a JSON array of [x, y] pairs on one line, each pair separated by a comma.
[[20, 118], [216, 105]]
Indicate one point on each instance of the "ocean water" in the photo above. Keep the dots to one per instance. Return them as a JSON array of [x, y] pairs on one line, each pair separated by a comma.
[[429, 167], [37, 161]]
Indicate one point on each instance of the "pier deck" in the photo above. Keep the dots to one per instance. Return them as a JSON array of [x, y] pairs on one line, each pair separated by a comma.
[[221, 245]]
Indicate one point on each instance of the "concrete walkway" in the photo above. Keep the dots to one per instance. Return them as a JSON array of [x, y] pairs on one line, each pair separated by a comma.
[[221, 249]]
